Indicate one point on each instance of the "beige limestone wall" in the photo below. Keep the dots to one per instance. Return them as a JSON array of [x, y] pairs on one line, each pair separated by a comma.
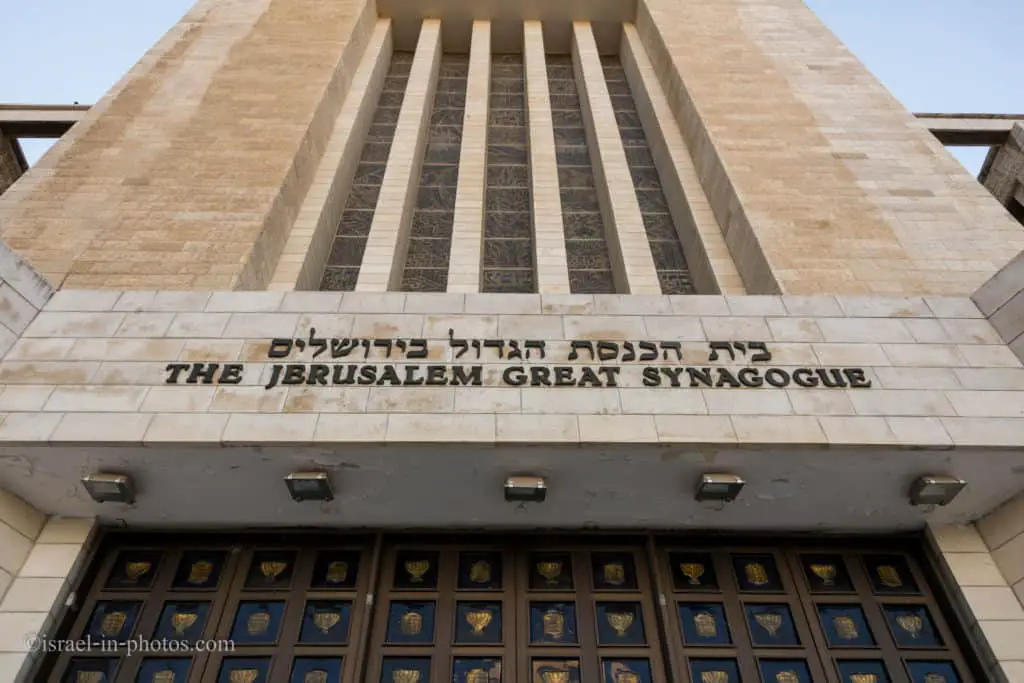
[[1005, 177], [49, 554], [982, 598], [822, 181], [1003, 531], [22, 293], [92, 365], [190, 171]]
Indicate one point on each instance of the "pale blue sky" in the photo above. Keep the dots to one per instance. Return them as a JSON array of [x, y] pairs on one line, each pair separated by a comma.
[[934, 55]]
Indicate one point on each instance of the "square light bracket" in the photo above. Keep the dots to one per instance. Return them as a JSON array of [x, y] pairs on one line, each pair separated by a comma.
[[935, 489], [309, 486], [719, 487], [109, 488], [525, 489]]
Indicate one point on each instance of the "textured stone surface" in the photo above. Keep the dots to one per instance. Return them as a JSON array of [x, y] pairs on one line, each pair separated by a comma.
[[10, 166], [822, 181], [136, 194], [108, 358]]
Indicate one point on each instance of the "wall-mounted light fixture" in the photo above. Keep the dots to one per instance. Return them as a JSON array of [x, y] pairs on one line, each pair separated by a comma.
[[306, 486], [109, 488], [719, 487], [935, 489], [525, 489]]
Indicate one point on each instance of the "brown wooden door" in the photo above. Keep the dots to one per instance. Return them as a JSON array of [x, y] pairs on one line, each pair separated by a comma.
[[529, 608]]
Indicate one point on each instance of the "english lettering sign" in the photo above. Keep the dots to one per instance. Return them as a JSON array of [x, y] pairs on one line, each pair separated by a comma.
[[659, 364]]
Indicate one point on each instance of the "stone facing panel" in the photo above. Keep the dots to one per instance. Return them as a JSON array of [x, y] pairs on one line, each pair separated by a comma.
[[822, 181], [156, 152], [985, 603], [91, 367], [33, 606]]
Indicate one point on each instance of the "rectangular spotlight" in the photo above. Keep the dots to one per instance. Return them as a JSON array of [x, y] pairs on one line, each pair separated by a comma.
[[306, 486], [525, 490], [720, 487], [109, 488], [935, 490]]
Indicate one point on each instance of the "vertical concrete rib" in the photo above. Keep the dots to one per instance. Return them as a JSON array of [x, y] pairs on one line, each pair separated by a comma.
[[627, 238], [305, 252], [711, 265], [467, 229], [549, 237], [384, 258]]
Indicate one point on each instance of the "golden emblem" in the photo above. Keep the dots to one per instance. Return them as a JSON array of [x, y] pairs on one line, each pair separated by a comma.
[[479, 620], [411, 624], [258, 623], [846, 628], [620, 621], [136, 570], [325, 621], [626, 676], [404, 676], [863, 678], [770, 622], [714, 677], [337, 572], [550, 571], [416, 569], [934, 678], [477, 676], [555, 677], [889, 577], [90, 677], [165, 676], [200, 572], [911, 623], [480, 572], [787, 677], [315, 676], [705, 624], [244, 675], [182, 621], [272, 570], [113, 623], [757, 575], [554, 625], [615, 573], [692, 571], [825, 572]]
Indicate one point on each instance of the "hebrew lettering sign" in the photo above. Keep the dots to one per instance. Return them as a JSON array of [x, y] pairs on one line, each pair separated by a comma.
[[325, 361]]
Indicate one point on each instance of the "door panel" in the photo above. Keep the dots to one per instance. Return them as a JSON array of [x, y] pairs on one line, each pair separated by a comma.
[[331, 608]]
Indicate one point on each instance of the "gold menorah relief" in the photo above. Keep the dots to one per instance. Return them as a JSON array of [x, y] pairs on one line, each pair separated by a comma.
[[479, 620], [325, 621], [416, 569], [405, 676], [770, 622], [825, 572], [550, 571], [620, 621], [165, 676], [692, 571]]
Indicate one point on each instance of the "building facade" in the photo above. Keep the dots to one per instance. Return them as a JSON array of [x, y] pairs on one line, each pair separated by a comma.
[[418, 249]]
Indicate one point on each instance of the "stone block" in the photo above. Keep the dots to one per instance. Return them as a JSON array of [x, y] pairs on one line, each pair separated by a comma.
[[987, 403], [957, 538], [95, 398], [537, 428], [412, 428], [34, 595], [1004, 523], [27, 427], [254, 429], [1009, 557], [993, 603], [989, 356], [261, 325], [864, 330], [553, 401], [244, 302], [393, 326], [51, 561], [452, 304], [185, 428], [16, 626], [522, 327], [67, 530], [99, 428], [199, 325], [953, 307], [351, 428], [145, 325], [735, 329], [81, 300], [61, 324], [747, 402], [850, 355], [854, 431], [974, 569], [813, 306], [612, 429], [20, 516], [916, 378], [14, 548], [648, 401], [1004, 638], [311, 302], [980, 431], [494, 303], [15, 312], [696, 429], [920, 431], [673, 328], [884, 307], [778, 429], [907, 402]]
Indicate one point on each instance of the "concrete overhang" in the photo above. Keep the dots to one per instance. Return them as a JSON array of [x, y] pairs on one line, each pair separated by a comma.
[[39, 120], [971, 130], [429, 485]]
